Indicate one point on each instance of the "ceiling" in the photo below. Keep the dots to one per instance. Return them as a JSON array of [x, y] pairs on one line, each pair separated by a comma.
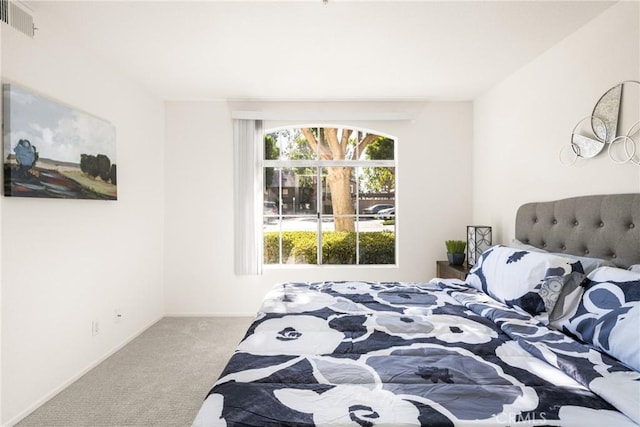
[[307, 50]]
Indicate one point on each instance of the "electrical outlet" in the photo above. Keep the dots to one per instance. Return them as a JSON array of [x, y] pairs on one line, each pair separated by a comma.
[[117, 315], [95, 328]]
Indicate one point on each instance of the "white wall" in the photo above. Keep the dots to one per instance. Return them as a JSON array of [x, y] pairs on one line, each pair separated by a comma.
[[434, 200], [68, 262], [65, 263], [521, 124]]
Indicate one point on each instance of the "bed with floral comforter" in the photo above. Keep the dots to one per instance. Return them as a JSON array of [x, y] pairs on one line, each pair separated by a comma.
[[443, 353]]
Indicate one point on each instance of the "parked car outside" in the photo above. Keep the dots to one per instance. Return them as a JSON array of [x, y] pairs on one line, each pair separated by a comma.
[[372, 210], [270, 208], [389, 213]]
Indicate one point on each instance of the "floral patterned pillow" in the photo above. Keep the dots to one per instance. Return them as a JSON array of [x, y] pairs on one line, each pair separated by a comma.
[[607, 316], [520, 278]]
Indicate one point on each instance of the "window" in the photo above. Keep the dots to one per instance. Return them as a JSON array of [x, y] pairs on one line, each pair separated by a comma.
[[329, 197]]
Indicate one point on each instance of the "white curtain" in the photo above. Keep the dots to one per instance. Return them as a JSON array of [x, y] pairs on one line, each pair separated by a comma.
[[247, 200]]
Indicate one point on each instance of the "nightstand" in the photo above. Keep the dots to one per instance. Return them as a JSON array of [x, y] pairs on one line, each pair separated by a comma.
[[448, 271]]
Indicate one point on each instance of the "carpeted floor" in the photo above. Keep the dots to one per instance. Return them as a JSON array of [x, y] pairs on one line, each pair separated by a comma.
[[158, 380]]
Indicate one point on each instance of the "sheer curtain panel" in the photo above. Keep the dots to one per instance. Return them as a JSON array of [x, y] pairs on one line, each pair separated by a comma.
[[247, 186]]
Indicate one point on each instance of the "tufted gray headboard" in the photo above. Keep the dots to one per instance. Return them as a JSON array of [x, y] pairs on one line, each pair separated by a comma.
[[604, 226]]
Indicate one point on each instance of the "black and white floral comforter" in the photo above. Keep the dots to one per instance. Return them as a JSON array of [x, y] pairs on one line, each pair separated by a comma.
[[400, 354]]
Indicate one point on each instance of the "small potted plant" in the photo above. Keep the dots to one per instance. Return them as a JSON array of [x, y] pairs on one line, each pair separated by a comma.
[[455, 251]]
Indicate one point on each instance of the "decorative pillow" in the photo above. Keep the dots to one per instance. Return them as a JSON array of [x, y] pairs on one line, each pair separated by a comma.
[[560, 292], [522, 278], [568, 299], [608, 314]]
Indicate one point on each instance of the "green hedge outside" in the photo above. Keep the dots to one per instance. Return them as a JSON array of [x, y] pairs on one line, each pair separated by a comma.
[[337, 247]]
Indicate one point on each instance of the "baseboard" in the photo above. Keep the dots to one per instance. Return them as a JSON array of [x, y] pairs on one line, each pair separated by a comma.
[[15, 420], [252, 314]]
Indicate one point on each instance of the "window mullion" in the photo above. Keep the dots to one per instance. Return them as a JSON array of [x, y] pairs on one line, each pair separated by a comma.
[[357, 217], [319, 199], [280, 231], [328, 163], [319, 212]]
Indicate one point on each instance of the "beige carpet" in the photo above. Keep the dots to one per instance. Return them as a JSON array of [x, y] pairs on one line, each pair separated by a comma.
[[158, 380]]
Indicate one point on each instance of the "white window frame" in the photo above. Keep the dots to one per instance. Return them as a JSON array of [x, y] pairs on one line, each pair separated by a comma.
[[319, 165]]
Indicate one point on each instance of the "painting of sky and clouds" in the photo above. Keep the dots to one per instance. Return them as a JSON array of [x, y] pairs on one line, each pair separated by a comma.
[[53, 150]]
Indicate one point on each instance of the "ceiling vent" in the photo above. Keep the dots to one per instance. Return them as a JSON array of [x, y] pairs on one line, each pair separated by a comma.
[[17, 16]]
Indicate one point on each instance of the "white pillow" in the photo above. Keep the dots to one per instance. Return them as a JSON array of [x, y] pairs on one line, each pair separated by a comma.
[[521, 278], [588, 264], [517, 244]]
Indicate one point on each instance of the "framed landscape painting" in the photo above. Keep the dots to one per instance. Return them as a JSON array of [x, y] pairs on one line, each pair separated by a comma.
[[53, 150]]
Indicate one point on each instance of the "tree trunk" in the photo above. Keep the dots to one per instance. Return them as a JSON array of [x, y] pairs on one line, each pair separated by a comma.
[[339, 178], [339, 182]]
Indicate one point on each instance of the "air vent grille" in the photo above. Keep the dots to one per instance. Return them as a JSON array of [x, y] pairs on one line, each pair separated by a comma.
[[4, 11], [17, 17]]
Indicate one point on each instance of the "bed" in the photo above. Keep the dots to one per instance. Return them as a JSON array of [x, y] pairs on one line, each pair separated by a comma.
[[545, 331]]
